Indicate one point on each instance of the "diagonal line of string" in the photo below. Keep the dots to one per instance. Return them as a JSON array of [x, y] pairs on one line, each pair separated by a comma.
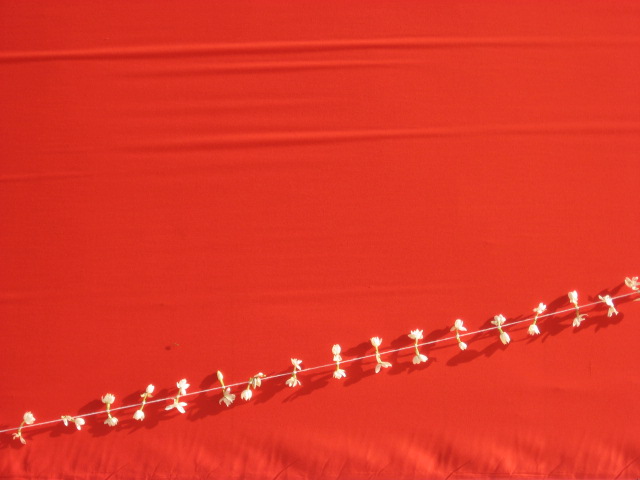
[[327, 365]]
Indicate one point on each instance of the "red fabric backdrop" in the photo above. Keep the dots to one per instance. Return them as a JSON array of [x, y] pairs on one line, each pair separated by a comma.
[[194, 186]]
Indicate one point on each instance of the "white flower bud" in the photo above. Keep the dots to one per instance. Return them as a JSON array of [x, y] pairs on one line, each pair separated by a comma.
[[416, 335], [573, 297], [246, 394], [111, 421]]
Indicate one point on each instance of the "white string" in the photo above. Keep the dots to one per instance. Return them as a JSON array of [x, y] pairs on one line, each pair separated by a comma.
[[318, 367]]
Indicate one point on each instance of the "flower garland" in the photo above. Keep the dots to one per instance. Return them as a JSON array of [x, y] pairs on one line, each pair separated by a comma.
[[256, 381]]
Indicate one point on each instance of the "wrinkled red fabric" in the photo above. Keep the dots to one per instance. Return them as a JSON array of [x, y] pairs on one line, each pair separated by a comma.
[[188, 187]]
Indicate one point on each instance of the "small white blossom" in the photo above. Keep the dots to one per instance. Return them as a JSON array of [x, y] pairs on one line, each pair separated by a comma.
[[540, 309], [177, 404], [381, 365], [246, 394], [498, 320], [579, 319], [416, 335], [27, 418], [293, 381], [458, 325], [78, 422], [339, 372], [108, 399], [573, 298], [632, 283], [256, 380], [336, 349], [139, 414], [533, 328], [111, 421], [227, 397], [419, 358], [296, 364], [182, 386], [376, 342], [609, 302]]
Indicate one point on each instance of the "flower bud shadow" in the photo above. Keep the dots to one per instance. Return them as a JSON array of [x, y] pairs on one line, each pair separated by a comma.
[[495, 344], [203, 405], [153, 411], [355, 370], [463, 356], [6, 440], [556, 324], [270, 387], [95, 425], [59, 429], [310, 382], [437, 335], [402, 361], [600, 321]]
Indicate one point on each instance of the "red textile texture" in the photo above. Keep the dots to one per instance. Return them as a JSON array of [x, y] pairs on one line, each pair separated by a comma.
[[188, 187]]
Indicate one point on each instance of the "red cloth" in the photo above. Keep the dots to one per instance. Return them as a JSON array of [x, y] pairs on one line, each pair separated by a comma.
[[194, 186]]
